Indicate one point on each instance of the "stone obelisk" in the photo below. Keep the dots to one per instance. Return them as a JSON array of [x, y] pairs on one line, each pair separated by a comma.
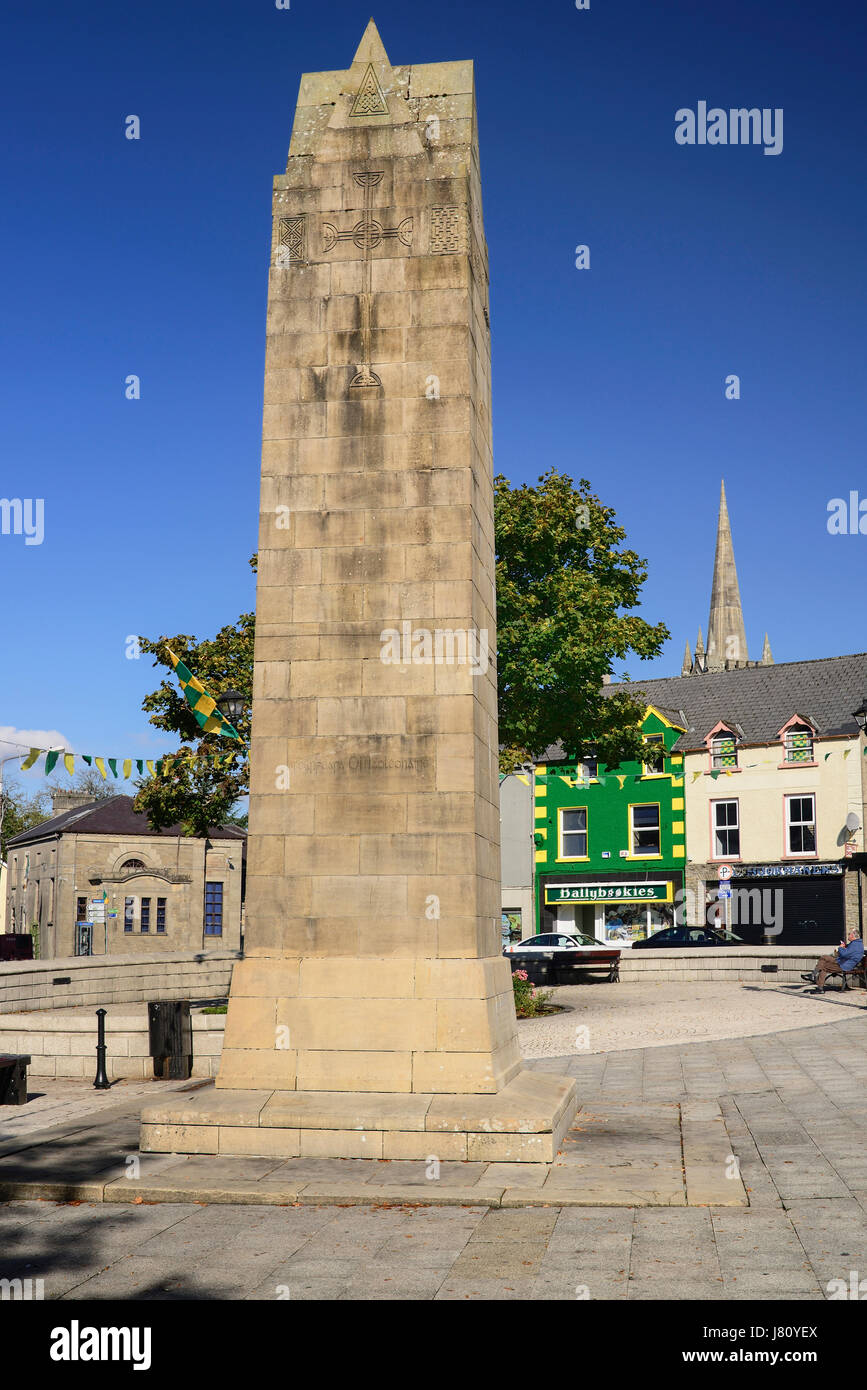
[[374, 1004]]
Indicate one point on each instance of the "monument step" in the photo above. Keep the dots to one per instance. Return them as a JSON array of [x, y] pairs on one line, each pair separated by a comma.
[[524, 1122]]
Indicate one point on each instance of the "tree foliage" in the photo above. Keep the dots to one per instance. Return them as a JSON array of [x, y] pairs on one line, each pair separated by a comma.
[[20, 811], [566, 589], [193, 791]]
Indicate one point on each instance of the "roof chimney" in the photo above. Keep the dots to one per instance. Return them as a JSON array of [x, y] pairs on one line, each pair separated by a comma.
[[63, 800]]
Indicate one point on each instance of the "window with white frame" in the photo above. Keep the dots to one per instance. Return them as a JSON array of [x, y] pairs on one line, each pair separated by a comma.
[[573, 832], [723, 750], [654, 758], [726, 830], [644, 836], [801, 824], [799, 744]]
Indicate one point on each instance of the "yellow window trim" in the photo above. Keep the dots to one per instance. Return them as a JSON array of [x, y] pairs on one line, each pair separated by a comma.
[[630, 829]]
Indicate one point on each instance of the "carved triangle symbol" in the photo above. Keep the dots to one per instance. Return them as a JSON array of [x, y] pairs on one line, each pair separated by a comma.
[[371, 99]]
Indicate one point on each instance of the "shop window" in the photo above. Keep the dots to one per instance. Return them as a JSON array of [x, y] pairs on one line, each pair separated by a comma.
[[726, 830], [573, 832], [644, 832], [801, 824]]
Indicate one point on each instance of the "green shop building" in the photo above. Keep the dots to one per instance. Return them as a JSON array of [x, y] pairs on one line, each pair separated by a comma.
[[610, 843]]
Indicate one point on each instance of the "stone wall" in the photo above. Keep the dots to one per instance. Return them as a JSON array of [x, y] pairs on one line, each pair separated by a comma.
[[104, 980], [63, 1043], [702, 964]]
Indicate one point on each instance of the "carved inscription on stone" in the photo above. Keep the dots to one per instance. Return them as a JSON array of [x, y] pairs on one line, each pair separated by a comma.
[[448, 230], [371, 98], [291, 241]]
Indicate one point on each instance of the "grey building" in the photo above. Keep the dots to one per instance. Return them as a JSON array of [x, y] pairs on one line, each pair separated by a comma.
[[517, 853]]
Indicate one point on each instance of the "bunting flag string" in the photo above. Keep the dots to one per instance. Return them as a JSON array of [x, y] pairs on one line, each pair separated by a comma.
[[155, 766], [572, 781]]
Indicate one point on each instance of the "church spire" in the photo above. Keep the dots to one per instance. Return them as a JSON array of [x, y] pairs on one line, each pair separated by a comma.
[[767, 658], [686, 668], [726, 636]]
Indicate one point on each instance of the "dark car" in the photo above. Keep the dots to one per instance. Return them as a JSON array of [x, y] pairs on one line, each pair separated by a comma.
[[556, 958], [689, 936]]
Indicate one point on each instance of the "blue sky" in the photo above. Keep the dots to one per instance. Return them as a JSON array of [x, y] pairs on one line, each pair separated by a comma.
[[149, 257]]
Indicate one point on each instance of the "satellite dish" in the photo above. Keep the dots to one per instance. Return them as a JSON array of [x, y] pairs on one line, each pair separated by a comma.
[[853, 821]]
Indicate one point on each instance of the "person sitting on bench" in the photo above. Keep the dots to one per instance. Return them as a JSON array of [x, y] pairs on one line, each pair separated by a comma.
[[845, 958]]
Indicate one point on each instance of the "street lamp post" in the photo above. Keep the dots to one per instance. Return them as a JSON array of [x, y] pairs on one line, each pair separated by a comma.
[[231, 705]]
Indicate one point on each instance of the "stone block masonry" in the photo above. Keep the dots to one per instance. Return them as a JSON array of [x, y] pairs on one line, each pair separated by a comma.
[[373, 897]]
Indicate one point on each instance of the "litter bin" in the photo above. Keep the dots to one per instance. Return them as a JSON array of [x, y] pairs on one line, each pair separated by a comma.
[[170, 1033]]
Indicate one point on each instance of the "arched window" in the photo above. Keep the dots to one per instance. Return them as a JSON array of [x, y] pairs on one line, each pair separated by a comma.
[[131, 864]]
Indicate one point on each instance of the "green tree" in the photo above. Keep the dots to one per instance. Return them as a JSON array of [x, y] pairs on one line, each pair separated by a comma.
[[193, 791], [565, 593], [20, 812]]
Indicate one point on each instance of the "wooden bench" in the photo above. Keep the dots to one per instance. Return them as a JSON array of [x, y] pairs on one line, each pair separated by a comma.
[[858, 973], [13, 1078]]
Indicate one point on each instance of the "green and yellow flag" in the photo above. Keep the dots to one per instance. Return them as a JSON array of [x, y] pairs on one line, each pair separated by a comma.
[[203, 705]]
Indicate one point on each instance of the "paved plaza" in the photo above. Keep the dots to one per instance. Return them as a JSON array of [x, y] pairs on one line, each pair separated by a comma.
[[794, 1108], [642, 1013]]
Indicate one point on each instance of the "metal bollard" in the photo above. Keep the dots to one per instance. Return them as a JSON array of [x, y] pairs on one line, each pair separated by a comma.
[[101, 1082]]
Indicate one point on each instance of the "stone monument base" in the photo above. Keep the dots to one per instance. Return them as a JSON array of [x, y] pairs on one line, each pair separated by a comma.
[[523, 1123]]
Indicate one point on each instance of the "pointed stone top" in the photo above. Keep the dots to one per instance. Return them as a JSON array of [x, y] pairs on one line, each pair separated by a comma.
[[699, 644], [371, 49], [726, 636], [686, 668], [767, 658]]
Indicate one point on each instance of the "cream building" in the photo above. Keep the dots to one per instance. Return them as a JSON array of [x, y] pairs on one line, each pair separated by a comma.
[[96, 879], [776, 797]]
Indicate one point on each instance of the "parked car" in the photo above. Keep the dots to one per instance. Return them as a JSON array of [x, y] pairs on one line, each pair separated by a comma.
[[556, 958], [690, 936]]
